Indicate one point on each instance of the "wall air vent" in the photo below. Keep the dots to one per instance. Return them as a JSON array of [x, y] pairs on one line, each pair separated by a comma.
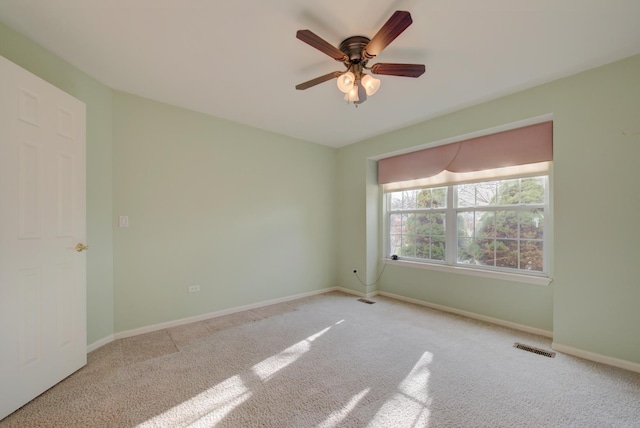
[[538, 351]]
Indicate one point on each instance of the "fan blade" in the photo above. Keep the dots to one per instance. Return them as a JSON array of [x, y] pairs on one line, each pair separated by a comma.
[[405, 70], [391, 29], [318, 80], [322, 45]]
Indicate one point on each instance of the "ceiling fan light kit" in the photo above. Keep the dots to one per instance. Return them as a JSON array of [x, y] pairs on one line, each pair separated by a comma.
[[371, 84], [346, 82], [355, 52]]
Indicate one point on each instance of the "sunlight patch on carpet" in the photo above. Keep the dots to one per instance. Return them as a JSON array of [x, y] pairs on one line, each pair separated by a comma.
[[412, 401], [272, 365], [335, 418], [207, 407]]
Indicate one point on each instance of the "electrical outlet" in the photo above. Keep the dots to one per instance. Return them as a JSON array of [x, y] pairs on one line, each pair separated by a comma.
[[194, 288]]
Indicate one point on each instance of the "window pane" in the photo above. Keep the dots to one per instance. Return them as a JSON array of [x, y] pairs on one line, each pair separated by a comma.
[[533, 190], [419, 224], [465, 195], [507, 224], [395, 224], [485, 252], [437, 248], [437, 224], [466, 250], [476, 251], [395, 243], [485, 224], [403, 227], [507, 253], [408, 249], [531, 255], [466, 224], [424, 199], [508, 192], [395, 201], [422, 247], [409, 199], [532, 224], [439, 197], [486, 193], [423, 224]]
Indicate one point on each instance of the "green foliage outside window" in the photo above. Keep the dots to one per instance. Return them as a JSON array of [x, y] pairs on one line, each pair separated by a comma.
[[424, 233], [503, 238]]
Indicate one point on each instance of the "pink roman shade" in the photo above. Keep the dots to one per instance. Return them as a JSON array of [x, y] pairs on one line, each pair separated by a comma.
[[521, 146]]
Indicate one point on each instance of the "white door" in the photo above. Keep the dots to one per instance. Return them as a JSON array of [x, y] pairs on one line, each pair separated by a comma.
[[42, 218]]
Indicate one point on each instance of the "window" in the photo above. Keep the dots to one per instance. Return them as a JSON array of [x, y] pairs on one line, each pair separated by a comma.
[[491, 225], [478, 202], [417, 223]]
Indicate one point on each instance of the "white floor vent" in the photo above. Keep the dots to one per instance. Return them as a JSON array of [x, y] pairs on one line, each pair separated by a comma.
[[538, 351]]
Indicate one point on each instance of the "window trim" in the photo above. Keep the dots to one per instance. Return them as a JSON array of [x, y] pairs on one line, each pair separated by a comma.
[[478, 272]]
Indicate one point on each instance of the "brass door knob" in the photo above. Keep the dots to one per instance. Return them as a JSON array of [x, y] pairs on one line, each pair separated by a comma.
[[81, 247]]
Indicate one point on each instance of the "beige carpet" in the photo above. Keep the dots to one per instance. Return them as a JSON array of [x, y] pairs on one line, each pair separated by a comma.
[[331, 361]]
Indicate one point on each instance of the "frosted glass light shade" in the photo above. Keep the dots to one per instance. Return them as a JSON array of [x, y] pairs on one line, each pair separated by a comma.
[[346, 81], [371, 84], [352, 95]]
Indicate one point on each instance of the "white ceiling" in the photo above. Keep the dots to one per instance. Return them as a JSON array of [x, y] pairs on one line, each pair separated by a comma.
[[240, 59]]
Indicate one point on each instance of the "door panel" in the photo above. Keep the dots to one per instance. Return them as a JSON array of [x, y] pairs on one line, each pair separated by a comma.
[[42, 218], [30, 322]]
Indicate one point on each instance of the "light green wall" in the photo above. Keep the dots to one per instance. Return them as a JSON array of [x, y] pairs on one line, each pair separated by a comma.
[[246, 214], [592, 301], [97, 97], [597, 287]]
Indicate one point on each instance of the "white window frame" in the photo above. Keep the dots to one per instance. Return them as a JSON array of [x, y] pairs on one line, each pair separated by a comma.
[[450, 264]]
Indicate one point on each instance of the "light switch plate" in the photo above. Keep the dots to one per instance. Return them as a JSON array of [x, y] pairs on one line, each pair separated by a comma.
[[123, 221]]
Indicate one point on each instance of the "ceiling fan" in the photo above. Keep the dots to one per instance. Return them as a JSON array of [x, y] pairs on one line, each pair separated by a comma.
[[355, 52]]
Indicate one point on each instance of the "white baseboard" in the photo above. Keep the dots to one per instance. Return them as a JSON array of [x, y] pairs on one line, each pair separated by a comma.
[[591, 356], [156, 327], [98, 343], [598, 358], [473, 315], [175, 323], [355, 292]]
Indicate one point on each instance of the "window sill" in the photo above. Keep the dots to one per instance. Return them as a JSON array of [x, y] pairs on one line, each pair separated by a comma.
[[505, 276]]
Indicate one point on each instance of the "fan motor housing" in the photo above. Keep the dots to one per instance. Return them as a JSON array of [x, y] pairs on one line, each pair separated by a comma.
[[353, 47]]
